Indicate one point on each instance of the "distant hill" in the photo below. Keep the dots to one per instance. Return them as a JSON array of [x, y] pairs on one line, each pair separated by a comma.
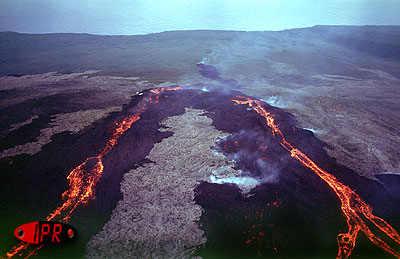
[[175, 51]]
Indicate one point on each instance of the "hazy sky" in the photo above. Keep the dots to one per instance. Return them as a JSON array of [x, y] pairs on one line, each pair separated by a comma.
[[145, 16]]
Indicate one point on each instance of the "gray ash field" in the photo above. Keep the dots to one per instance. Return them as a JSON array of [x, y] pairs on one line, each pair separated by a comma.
[[199, 171]]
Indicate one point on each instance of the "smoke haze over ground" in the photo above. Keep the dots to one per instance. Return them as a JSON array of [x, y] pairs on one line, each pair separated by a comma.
[[339, 82]]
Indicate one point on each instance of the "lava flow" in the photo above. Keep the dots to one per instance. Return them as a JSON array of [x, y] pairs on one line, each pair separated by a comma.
[[352, 205], [83, 179]]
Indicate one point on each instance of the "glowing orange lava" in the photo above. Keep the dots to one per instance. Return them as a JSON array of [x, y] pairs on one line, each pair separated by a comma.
[[254, 234], [83, 179], [352, 205]]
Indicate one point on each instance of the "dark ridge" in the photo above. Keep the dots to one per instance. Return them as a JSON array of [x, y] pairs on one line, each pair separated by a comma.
[[378, 41], [210, 72], [24, 134], [297, 206], [40, 53], [44, 107], [307, 200], [374, 48]]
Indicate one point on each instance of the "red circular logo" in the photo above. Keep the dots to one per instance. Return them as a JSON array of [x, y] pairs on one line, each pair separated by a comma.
[[70, 233]]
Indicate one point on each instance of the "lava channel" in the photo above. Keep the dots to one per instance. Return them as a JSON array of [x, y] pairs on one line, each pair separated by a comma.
[[352, 205], [83, 179]]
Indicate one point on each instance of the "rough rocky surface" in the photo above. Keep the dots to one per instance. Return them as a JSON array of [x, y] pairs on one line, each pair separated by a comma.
[[340, 81], [60, 92], [157, 216], [71, 122]]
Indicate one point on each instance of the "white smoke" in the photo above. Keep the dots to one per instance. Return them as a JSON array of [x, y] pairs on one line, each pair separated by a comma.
[[245, 183], [227, 175], [211, 59], [315, 131], [246, 180], [270, 171], [204, 61], [275, 101], [204, 89]]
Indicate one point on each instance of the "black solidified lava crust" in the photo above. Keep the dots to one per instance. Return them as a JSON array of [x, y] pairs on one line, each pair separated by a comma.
[[292, 214], [306, 217]]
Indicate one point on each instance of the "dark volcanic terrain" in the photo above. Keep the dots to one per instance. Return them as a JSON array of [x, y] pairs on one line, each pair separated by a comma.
[[342, 82], [335, 92]]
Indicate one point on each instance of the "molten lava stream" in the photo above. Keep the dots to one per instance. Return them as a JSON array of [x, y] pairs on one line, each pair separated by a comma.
[[83, 179], [352, 204]]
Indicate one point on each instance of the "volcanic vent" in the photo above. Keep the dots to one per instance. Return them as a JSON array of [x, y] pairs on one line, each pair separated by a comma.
[[300, 202]]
